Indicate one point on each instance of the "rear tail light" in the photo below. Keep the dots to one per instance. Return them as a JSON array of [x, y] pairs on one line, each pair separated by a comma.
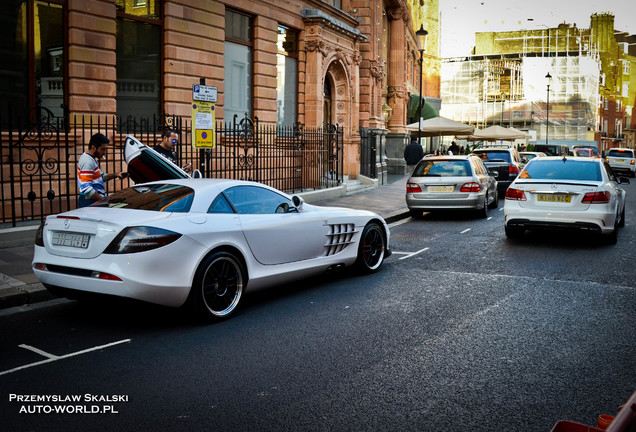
[[515, 195], [631, 162], [140, 239], [607, 160], [513, 169], [413, 188], [470, 187], [39, 236], [597, 198]]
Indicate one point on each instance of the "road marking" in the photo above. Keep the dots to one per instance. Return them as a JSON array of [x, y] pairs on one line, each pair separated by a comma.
[[400, 222], [465, 231], [414, 253], [501, 209], [39, 351], [55, 358], [489, 218]]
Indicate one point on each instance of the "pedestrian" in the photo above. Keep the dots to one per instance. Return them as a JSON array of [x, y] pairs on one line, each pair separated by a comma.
[[166, 148], [453, 149], [413, 153], [462, 150], [90, 179]]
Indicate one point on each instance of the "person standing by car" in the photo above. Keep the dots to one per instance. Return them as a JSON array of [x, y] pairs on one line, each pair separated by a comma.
[[413, 153], [90, 179], [169, 139], [454, 149]]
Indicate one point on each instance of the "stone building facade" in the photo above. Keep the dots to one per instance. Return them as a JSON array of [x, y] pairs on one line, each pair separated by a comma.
[[335, 61]]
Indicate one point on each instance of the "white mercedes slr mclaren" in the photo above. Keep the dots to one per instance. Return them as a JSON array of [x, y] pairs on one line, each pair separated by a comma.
[[200, 242]]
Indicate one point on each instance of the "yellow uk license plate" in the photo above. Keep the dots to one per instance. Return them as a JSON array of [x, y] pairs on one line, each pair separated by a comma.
[[440, 188], [620, 160], [563, 198]]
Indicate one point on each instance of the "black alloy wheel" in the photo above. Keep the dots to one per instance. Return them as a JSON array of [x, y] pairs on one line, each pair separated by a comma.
[[218, 286], [372, 248]]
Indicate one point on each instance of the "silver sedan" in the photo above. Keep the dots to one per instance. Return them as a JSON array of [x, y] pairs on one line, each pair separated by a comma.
[[451, 183]]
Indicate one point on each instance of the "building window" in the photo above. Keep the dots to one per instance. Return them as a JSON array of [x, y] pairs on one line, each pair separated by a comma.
[[138, 54], [286, 76], [238, 65], [335, 3], [33, 67], [606, 102]]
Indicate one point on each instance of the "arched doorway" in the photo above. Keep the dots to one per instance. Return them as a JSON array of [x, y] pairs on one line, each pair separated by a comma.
[[326, 104]]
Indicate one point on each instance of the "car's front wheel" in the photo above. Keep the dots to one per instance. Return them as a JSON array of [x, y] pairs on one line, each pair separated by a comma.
[[218, 286], [372, 248]]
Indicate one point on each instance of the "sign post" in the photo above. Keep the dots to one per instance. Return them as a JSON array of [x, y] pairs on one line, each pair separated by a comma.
[[203, 116]]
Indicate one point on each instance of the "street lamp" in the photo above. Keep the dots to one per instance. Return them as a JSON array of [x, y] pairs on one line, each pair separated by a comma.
[[421, 41], [386, 113], [548, 79], [502, 106]]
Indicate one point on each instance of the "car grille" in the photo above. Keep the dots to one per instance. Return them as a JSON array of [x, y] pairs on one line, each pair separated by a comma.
[[339, 237]]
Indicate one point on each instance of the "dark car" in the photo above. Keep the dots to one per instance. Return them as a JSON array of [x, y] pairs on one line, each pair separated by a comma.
[[506, 161]]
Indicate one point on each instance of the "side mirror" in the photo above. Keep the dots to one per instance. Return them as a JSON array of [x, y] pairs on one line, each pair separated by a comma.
[[493, 173], [298, 202], [623, 180], [197, 174]]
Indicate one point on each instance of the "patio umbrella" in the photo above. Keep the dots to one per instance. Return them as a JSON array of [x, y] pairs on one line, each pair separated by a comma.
[[438, 126], [496, 133]]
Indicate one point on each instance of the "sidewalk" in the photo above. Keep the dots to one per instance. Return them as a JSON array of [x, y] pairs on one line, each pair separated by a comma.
[[19, 286]]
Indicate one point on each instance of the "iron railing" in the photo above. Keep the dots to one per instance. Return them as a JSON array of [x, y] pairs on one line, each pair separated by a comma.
[[38, 159]]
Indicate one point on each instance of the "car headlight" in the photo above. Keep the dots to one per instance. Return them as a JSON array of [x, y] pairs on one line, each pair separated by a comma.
[[140, 239]]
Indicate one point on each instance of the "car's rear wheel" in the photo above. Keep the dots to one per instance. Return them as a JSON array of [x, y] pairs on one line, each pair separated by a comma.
[[621, 222], [372, 248], [218, 286], [495, 203], [483, 212]]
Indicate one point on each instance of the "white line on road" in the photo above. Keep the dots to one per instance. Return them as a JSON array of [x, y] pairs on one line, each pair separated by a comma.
[[465, 231], [39, 351], [52, 359], [400, 222], [414, 253], [489, 218]]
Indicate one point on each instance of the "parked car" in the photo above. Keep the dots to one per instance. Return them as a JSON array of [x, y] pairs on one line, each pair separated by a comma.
[[552, 149], [566, 194], [505, 160], [583, 152], [530, 155], [622, 161], [451, 183], [200, 242], [586, 146]]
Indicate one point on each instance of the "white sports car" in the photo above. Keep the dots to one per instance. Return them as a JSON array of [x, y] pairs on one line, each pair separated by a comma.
[[566, 193], [201, 242]]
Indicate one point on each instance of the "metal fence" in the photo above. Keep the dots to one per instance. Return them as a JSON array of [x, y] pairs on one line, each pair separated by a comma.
[[38, 159], [368, 153]]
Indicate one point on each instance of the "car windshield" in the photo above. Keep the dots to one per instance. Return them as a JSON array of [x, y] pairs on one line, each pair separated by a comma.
[[621, 153], [560, 169], [493, 155], [442, 168], [156, 197]]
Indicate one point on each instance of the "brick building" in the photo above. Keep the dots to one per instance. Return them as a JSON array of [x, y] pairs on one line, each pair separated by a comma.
[[310, 61]]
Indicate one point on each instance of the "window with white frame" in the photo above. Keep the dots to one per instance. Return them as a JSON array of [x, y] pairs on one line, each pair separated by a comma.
[[286, 76], [238, 65]]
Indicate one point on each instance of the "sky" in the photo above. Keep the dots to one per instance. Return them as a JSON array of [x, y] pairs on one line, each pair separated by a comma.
[[461, 19]]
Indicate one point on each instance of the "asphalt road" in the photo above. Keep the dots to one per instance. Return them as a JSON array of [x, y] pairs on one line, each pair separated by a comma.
[[462, 330]]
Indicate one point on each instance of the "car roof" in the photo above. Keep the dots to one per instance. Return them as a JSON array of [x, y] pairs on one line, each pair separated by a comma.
[[448, 157]]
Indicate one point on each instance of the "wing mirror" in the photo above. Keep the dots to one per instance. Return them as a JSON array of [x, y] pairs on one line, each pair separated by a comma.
[[493, 173], [298, 202]]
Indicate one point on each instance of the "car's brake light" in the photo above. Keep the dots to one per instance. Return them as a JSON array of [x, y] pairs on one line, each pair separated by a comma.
[[470, 187], [607, 159], [631, 162], [513, 169], [140, 239], [39, 235], [597, 198], [515, 194], [413, 188]]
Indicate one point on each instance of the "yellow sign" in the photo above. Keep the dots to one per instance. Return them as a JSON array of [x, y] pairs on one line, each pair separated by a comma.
[[203, 128]]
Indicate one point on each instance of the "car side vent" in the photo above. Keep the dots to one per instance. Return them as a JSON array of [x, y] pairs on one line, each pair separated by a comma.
[[339, 237]]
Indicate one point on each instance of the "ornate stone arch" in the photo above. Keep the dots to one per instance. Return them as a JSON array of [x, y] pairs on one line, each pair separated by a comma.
[[339, 74]]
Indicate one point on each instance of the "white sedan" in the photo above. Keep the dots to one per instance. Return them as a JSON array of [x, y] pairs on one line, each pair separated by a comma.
[[200, 242], [566, 193]]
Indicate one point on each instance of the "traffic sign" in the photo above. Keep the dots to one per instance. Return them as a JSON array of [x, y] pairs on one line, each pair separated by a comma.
[[204, 93]]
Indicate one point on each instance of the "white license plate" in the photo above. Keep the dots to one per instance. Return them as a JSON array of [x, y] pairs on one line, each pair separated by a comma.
[[75, 240], [554, 198], [440, 188]]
